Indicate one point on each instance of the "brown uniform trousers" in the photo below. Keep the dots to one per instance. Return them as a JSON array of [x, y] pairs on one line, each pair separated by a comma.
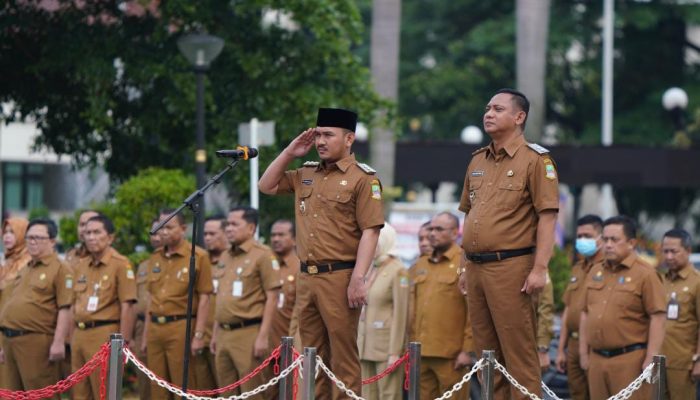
[[205, 364], [249, 271], [144, 384], [574, 299], [282, 320], [681, 338], [73, 257], [619, 303], [333, 205], [113, 282], [383, 328], [441, 322], [504, 192], [34, 299], [168, 279]]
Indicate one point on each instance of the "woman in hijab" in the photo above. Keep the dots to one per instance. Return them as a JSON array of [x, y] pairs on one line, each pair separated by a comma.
[[383, 321], [16, 258]]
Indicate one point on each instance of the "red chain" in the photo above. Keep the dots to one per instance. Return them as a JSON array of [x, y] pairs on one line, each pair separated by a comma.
[[387, 371], [61, 386], [103, 378], [295, 376], [407, 372], [275, 354]]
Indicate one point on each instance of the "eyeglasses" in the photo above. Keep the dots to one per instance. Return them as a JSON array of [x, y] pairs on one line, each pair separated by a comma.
[[36, 238]]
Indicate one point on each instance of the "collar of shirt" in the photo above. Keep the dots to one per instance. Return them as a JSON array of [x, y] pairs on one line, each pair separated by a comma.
[[46, 260], [342, 164], [511, 147], [448, 255], [286, 261], [628, 262], [243, 247], [183, 249], [589, 262], [682, 273], [104, 259]]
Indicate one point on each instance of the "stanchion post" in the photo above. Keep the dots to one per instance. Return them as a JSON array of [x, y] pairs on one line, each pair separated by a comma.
[[116, 355], [659, 378], [286, 359], [309, 373], [414, 371], [488, 375]]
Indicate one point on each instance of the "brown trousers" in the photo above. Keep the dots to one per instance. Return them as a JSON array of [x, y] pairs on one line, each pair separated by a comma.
[[85, 343], [503, 319], [679, 385], [234, 359], [144, 384], [577, 377], [438, 375], [204, 366], [607, 376], [327, 323], [388, 388], [165, 352], [27, 364]]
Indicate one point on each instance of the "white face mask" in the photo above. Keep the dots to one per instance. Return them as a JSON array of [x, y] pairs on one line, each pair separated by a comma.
[[586, 246]]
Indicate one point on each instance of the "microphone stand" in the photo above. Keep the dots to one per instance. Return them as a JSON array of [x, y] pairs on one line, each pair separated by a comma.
[[192, 202]]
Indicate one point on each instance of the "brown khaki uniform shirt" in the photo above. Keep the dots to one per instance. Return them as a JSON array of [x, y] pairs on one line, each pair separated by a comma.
[[289, 271], [545, 314], [74, 255], [142, 288], [503, 194], [111, 280], [575, 292], [681, 338], [250, 264], [441, 321], [169, 277], [620, 301], [39, 291], [333, 205]]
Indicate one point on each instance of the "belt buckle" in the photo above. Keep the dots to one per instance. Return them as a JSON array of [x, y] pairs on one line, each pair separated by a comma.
[[226, 326], [82, 325], [312, 269], [574, 335], [162, 320]]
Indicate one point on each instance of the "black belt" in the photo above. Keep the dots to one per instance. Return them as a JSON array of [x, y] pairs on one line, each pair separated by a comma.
[[141, 317], [326, 267], [94, 324], [498, 255], [622, 350], [237, 325], [163, 319], [13, 332]]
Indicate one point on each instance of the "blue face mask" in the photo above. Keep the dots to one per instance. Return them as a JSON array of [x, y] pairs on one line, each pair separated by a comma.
[[586, 247]]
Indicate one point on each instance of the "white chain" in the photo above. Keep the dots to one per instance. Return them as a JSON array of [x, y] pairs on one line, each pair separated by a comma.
[[549, 392], [627, 392], [338, 382], [513, 382], [465, 379], [131, 357]]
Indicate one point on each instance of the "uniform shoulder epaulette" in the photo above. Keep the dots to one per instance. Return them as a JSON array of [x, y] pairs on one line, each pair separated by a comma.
[[368, 170], [311, 164], [480, 150], [537, 148]]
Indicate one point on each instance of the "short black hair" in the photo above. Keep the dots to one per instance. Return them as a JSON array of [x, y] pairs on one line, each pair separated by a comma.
[[106, 222], [292, 227], [425, 224], [683, 235], [250, 215], [629, 227], [167, 211], [591, 219], [50, 225], [217, 217], [519, 100], [452, 217]]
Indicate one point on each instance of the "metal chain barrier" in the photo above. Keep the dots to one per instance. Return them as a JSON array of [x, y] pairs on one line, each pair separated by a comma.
[[98, 360], [191, 396], [338, 382], [387, 371], [549, 392], [627, 392], [465, 379]]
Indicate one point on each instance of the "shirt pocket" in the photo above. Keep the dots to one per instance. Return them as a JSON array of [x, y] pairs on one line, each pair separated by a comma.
[[303, 200], [626, 297], [509, 193], [596, 294], [154, 281], [341, 203], [38, 284], [447, 284]]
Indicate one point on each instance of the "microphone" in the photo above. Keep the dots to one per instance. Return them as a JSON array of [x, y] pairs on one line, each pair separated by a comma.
[[241, 152]]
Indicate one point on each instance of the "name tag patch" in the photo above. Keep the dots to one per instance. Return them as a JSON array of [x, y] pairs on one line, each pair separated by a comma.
[[478, 173], [307, 181]]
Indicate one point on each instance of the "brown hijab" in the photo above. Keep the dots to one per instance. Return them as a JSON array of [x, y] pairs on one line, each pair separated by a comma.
[[17, 257]]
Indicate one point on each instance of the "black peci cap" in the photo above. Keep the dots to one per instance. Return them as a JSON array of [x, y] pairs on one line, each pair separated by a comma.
[[337, 118]]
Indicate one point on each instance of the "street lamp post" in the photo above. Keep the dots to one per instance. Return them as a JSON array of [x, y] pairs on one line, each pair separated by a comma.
[[675, 101], [200, 50]]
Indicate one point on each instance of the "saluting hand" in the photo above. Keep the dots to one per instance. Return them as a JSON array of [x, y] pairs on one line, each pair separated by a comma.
[[535, 281], [357, 292], [302, 143]]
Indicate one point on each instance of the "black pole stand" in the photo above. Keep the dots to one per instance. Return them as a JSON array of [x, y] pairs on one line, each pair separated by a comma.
[[192, 202]]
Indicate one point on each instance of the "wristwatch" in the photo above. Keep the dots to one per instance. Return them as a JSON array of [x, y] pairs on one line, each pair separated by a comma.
[[696, 358], [199, 335], [542, 349]]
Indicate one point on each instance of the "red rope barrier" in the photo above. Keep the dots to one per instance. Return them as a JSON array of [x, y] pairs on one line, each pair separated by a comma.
[[274, 356], [95, 362], [387, 371]]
